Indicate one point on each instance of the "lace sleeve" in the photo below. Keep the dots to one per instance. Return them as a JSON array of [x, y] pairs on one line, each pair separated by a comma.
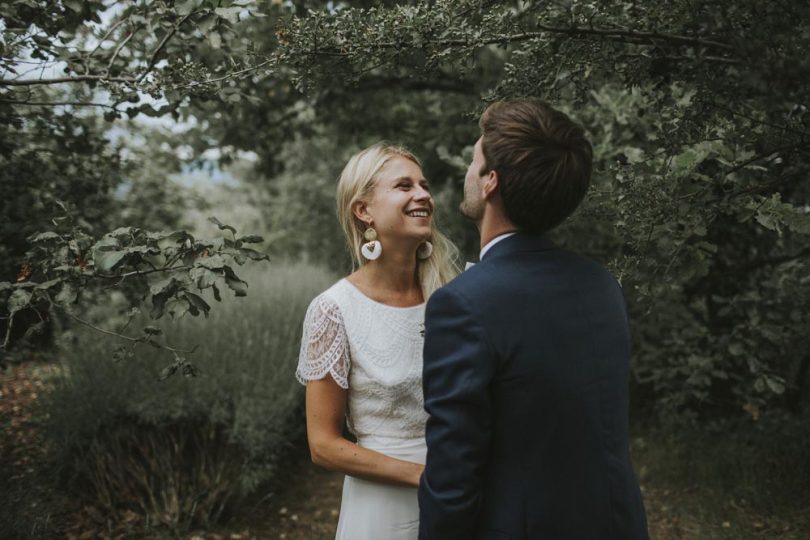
[[324, 346]]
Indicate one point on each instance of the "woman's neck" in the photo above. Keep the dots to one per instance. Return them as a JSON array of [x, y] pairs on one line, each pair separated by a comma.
[[390, 279]]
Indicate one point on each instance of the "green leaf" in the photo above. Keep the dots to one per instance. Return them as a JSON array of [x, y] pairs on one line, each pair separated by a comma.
[[253, 254], [221, 225], [230, 13], [177, 307], [107, 241], [158, 305], [238, 286], [174, 238], [45, 236], [775, 385], [67, 295], [18, 300], [122, 353], [74, 5], [123, 233], [48, 284], [197, 304], [207, 23], [168, 371], [736, 349], [215, 39], [217, 296], [203, 277], [162, 286], [184, 7], [107, 260], [34, 330], [215, 262], [251, 239]]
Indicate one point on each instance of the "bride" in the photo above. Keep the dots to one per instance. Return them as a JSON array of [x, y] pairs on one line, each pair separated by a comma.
[[361, 352]]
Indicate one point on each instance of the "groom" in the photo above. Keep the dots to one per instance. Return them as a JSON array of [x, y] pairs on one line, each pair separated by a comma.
[[526, 358]]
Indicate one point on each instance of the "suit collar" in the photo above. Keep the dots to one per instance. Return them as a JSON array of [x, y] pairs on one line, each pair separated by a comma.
[[518, 242]]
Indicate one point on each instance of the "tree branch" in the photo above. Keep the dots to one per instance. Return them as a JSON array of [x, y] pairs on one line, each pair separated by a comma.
[[143, 272], [163, 42], [755, 265], [108, 34], [459, 87], [117, 50], [58, 80], [759, 122], [644, 36], [623, 36], [56, 103], [759, 188], [140, 339], [224, 77]]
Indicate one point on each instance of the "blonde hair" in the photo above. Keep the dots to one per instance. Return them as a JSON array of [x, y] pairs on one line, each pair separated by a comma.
[[357, 182]]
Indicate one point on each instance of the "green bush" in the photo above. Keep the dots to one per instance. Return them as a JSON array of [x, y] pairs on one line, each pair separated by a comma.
[[181, 450]]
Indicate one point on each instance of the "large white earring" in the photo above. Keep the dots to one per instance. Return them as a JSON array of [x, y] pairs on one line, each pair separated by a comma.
[[372, 249], [425, 250]]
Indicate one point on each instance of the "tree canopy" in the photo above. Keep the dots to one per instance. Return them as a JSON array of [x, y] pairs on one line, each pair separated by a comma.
[[697, 111]]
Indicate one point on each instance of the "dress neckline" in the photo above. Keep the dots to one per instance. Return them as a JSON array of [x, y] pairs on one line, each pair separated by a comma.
[[363, 295]]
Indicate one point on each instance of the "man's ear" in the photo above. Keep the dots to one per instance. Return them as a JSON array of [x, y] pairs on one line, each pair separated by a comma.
[[491, 184], [360, 211]]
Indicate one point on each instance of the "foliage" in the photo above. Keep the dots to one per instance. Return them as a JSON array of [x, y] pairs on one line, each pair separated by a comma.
[[119, 48], [112, 58], [697, 110], [169, 270], [700, 127], [48, 165], [175, 447]]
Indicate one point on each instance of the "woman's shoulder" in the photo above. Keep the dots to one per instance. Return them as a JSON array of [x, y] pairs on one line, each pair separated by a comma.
[[332, 298]]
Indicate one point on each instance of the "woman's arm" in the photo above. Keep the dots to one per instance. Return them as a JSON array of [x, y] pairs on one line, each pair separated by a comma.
[[326, 410]]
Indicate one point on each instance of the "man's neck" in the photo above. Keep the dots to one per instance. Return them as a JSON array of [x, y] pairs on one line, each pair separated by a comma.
[[492, 226]]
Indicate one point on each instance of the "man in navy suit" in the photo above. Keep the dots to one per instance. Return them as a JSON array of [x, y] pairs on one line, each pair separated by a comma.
[[526, 359]]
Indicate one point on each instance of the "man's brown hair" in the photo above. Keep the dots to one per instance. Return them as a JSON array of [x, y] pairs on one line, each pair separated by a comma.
[[542, 158]]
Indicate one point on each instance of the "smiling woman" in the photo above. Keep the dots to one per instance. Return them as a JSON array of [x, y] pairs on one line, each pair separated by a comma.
[[383, 188], [361, 353]]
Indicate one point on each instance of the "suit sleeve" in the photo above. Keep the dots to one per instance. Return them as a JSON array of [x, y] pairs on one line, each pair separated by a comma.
[[459, 365]]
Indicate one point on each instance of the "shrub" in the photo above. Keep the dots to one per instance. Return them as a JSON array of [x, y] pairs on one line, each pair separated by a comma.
[[182, 450]]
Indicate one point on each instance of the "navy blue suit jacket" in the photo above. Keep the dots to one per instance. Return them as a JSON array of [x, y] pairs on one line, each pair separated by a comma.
[[526, 368]]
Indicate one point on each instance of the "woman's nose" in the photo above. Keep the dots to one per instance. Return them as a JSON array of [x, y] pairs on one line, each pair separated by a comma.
[[421, 194]]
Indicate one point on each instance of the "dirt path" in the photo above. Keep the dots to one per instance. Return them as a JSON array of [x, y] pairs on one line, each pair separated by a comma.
[[305, 509]]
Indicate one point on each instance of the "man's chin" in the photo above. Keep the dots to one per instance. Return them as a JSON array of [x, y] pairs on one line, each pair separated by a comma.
[[469, 213]]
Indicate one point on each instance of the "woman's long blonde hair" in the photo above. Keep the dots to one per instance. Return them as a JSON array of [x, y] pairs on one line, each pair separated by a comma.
[[357, 182]]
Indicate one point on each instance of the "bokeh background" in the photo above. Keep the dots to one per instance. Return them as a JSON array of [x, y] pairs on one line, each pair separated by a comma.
[[126, 125]]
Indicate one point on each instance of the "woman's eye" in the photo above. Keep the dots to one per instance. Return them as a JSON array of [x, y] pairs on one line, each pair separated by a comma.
[[403, 185]]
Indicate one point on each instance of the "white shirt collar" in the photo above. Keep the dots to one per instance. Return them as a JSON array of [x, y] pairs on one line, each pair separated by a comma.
[[493, 242]]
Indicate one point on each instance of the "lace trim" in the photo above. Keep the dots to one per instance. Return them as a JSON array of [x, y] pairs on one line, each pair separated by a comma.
[[324, 345]]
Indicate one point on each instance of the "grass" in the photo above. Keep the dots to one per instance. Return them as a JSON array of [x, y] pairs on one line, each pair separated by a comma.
[[741, 481], [171, 449]]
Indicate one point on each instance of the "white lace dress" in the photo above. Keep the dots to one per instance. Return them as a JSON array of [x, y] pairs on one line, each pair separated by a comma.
[[375, 352]]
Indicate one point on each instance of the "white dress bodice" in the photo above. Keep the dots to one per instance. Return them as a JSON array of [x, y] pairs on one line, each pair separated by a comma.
[[375, 352]]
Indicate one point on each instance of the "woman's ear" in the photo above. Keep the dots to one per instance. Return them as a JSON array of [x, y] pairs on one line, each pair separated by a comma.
[[360, 211]]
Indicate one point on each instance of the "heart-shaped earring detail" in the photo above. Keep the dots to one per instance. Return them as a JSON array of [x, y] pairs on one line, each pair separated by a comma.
[[371, 250]]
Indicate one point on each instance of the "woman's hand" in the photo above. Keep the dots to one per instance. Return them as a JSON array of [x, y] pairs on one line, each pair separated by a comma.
[[326, 410]]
